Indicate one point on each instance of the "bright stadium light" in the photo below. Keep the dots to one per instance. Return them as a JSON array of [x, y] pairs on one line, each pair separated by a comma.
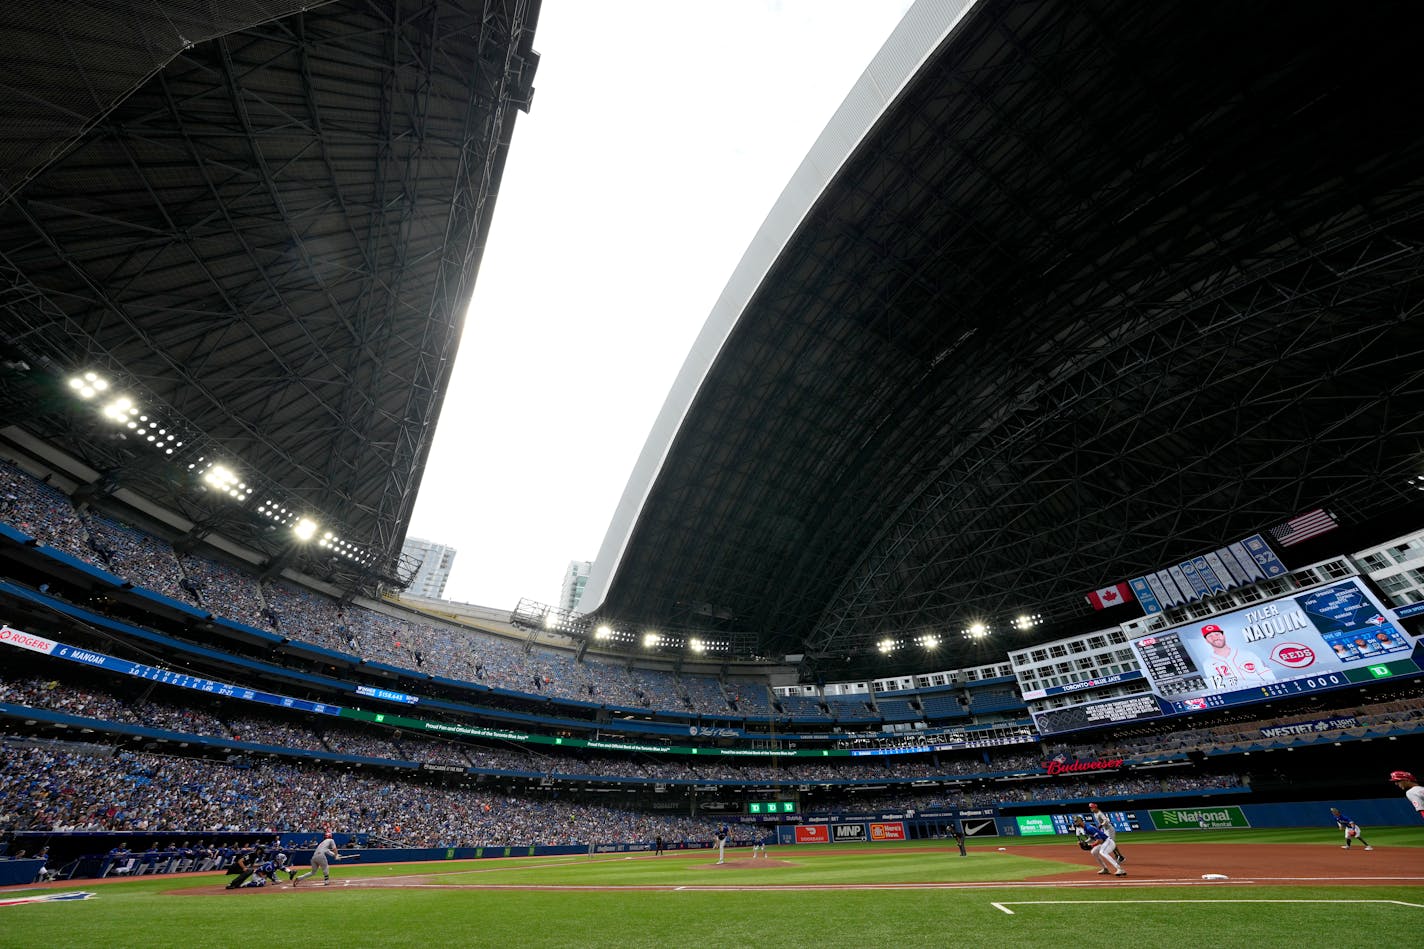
[[886, 646], [650, 640], [305, 528], [603, 632], [696, 645], [977, 631], [118, 410], [88, 385], [929, 641], [219, 476]]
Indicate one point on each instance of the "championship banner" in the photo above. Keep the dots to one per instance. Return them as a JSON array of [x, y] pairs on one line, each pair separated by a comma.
[[1225, 568], [895, 831], [815, 834]]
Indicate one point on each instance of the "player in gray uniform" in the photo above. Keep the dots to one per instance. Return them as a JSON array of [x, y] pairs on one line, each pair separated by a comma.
[[1108, 828], [326, 850]]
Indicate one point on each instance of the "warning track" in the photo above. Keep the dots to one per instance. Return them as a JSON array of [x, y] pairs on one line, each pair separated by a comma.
[[1148, 865]]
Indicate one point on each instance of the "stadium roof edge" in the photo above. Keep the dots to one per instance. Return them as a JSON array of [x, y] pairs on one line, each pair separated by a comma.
[[926, 26]]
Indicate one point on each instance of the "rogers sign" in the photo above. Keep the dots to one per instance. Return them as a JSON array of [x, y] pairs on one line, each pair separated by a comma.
[[1293, 655], [24, 640]]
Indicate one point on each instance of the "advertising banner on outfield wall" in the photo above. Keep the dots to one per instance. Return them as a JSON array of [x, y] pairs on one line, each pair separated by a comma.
[[895, 831], [848, 832], [1312, 640], [1199, 818], [817, 834]]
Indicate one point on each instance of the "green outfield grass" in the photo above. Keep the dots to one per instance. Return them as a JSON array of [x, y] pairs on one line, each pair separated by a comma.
[[146, 913]]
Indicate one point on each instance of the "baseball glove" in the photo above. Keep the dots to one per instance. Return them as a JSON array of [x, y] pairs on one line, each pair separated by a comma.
[[1084, 843]]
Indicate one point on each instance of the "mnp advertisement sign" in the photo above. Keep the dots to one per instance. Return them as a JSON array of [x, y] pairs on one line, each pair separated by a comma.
[[1199, 818], [848, 832], [891, 831], [814, 834]]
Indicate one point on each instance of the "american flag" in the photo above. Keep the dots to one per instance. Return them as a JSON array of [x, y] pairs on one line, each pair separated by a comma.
[[1303, 527]]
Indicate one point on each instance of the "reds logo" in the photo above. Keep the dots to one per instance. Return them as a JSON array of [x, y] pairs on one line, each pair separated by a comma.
[[1293, 655]]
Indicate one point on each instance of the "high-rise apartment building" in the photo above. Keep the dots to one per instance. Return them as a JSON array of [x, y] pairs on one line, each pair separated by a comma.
[[435, 561], [575, 579]]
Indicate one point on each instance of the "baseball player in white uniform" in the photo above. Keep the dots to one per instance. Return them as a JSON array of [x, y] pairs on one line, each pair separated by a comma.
[[1407, 783], [325, 851], [1232, 668], [722, 833]]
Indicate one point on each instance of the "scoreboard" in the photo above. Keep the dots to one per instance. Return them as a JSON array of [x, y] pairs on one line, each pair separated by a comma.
[[771, 807], [1315, 640]]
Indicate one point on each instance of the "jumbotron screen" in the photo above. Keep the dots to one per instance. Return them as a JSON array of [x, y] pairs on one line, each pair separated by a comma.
[[1310, 641], [1318, 639]]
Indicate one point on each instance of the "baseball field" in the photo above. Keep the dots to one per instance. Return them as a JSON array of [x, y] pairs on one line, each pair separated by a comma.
[[1288, 888]]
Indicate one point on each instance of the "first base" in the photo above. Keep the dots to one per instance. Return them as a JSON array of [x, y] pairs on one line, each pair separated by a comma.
[[1215, 876]]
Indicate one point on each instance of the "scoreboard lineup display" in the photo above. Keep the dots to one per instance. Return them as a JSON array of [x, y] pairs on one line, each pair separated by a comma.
[[771, 807], [1326, 638]]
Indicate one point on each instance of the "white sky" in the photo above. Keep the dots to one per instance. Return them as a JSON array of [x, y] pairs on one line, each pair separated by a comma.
[[661, 133]]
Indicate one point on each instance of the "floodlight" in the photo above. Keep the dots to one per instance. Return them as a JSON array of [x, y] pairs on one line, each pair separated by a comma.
[[218, 476], [978, 631], [88, 385], [887, 646], [603, 632], [650, 640], [929, 642], [304, 528], [118, 410], [550, 620], [696, 645]]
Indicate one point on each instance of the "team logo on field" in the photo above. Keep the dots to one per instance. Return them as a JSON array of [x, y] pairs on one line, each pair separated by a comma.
[[46, 898], [1293, 655]]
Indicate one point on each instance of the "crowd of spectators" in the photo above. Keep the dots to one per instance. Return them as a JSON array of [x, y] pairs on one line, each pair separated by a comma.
[[310, 733], [41, 511], [53, 787], [301, 615]]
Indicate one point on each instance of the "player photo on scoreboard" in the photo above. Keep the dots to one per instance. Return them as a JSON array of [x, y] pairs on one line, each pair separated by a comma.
[[1322, 631]]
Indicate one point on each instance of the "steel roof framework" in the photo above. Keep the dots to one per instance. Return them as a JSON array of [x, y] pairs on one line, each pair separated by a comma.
[[1079, 305], [271, 244]]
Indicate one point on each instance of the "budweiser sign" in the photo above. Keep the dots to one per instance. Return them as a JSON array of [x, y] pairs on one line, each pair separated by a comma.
[[1061, 765]]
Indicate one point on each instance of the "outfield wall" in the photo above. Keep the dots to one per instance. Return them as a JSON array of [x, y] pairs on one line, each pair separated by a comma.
[[982, 822]]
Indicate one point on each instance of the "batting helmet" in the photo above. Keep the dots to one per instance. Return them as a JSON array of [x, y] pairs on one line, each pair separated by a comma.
[[1092, 807], [1402, 776]]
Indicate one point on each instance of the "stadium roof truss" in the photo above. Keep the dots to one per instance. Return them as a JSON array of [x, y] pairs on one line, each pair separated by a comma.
[[263, 225]]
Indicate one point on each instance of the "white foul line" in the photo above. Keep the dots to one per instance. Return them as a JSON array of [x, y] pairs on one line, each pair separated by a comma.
[[1004, 906]]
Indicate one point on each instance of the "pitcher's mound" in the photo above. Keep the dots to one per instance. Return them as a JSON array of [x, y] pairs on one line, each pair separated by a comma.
[[748, 864]]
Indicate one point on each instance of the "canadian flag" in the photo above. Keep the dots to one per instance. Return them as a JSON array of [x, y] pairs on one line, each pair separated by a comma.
[[1110, 596]]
